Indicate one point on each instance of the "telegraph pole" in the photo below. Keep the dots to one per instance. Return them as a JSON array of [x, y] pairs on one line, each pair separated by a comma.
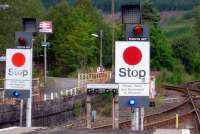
[[101, 42], [113, 36]]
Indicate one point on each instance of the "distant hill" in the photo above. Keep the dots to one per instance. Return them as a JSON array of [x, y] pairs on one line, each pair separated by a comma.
[[162, 5]]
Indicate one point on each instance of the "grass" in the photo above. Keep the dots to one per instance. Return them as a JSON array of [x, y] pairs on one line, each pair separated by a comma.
[[178, 29], [178, 25]]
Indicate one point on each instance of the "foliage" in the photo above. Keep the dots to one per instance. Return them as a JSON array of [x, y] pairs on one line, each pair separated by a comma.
[[161, 52], [187, 50], [149, 13], [73, 48], [77, 108], [77, 49], [11, 19], [177, 76], [162, 5], [197, 22], [103, 107]]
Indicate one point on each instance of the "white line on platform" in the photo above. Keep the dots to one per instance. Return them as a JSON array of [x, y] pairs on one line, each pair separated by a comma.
[[9, 128]]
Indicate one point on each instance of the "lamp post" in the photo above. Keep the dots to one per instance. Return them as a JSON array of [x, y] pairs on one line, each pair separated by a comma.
[[101, 42]]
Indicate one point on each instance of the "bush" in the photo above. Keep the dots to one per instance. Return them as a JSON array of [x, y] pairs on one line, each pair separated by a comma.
[[77, 108], [103, 104]]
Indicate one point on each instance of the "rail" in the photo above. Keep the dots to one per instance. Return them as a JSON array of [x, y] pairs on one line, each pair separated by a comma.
[[190, 98]]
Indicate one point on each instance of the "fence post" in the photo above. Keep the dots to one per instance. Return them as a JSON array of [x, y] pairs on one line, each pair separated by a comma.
[[71, 91], [61, 93], [56, 95], [45, 97], [66, 92], [75, 90], [51, 96], [78, 79]]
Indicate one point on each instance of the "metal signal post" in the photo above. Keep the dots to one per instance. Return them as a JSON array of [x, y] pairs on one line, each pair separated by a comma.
[[45, 58], [135, 32]]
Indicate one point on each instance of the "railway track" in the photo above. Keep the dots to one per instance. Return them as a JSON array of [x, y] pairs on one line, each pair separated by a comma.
[[162, 118], [165, 118]]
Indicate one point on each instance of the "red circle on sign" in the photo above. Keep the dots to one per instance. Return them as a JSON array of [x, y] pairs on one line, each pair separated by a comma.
[[132, 55], [18, 59]]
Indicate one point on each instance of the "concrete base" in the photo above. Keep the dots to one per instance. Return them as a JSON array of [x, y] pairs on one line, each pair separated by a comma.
[[172, 131], [43, 130], [20, 130]]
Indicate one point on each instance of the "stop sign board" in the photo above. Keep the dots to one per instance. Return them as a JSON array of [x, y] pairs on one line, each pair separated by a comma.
[[132, 62], [18, 69]]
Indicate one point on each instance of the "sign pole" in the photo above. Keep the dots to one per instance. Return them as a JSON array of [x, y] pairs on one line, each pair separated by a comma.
[[115, 111], [135, 119], [142, 118], [29, 100], [45, 59], [132, 119], [21, 112], [89, 110]]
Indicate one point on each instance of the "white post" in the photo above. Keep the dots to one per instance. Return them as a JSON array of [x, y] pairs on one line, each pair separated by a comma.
[[132, 119], [142, 118], [66, 92], [137, 119], [115, 112], [45, 97], [21, 112], [51, 96], [29, 101], [29, 111], [71, 91]]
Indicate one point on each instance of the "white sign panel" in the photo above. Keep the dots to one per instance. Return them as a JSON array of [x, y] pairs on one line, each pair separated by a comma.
[[18, 69], [133, 89], [102, 86], [18, 84], [45, 27], [132, 62]]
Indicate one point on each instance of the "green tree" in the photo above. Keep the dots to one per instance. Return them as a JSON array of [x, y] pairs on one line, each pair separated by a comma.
[[186, 49], [73, 46], [197, 22], [149, 13], [161, 52]]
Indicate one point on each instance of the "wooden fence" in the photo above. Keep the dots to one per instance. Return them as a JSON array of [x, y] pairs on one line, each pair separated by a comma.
[[86, 78], [83, 80]]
